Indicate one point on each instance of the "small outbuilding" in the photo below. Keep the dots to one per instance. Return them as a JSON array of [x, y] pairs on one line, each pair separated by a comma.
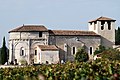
[[47, 54]]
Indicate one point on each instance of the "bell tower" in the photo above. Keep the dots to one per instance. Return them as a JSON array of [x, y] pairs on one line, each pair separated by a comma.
[[105, 27]]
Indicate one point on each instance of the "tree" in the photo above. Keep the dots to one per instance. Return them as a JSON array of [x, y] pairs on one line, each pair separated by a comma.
[[117, 36], [81, 55], [99, 49], [3, 55]]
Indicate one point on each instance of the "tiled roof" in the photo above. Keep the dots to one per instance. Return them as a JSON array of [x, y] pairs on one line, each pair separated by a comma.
[[72, 33], [28, 28], [48, 47], [102, 19]]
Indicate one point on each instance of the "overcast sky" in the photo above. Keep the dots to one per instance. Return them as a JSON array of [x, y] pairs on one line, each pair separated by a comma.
[[55, 14]]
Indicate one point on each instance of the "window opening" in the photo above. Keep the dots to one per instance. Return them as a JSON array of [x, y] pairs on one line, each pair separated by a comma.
[[109, 25], [22, 52], [40, 34], [35, 52], [102, 25], [90, 50], [73, 50], [90, 23]]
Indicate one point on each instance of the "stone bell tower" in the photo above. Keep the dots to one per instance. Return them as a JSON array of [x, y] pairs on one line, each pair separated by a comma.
[[105, 27]]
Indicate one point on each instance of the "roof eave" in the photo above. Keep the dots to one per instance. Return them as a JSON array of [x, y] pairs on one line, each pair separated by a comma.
[[73, 35]]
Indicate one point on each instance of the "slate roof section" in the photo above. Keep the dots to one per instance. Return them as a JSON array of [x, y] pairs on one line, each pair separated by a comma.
[[29, 28], [72, 33], [102, 19], [48, 47]]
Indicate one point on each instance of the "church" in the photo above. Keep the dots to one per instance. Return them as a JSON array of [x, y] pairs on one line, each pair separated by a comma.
[[37, 44]]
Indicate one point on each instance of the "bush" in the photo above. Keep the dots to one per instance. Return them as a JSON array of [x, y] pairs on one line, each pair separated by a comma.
[[111, 54], [99, 49], [81, 55], [23, 62]]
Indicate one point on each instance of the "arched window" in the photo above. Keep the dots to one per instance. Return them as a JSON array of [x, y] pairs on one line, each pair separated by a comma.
[[102, 25], [109, 25], [91, 50], [22, 51], [35, 51], [73, 50]]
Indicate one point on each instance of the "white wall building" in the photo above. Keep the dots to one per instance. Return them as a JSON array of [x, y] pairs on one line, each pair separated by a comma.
[[35, 43]]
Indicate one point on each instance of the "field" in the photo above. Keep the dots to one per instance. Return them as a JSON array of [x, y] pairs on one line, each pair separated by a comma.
[[94, 70]]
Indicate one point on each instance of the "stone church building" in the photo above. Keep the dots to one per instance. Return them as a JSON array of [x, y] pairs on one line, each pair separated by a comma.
[[35, 43]]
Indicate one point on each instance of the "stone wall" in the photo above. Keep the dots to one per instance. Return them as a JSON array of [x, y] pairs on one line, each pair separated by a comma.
[[107, 35], [74, 41], [50, 56], [26, 40]]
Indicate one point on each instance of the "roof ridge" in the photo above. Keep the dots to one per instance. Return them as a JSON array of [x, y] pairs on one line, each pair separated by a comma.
[[102, 18], [27, 28], [71, 30]]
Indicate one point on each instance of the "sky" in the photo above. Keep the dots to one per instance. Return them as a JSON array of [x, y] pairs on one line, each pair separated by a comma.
[[55, 14]]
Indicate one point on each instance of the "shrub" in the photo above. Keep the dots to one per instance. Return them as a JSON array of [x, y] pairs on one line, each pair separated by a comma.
[[23, 62], [99, 49], [111, 54], [81, 55]]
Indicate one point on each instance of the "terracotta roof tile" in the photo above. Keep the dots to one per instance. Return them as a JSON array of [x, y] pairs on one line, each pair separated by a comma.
[[28, 28], [72, 32], [48, 47], [102, 19]]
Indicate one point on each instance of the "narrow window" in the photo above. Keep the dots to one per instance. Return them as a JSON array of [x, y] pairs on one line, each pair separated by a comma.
[[102, 25], [90, 50], [90, 23], [22, 53], [109, 25], [40, 34], [73, 50], [35, 52]]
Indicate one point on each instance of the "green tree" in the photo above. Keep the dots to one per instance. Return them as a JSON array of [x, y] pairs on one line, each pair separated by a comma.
[[81, 55], [117, 36], [3, 55], [99, 49]]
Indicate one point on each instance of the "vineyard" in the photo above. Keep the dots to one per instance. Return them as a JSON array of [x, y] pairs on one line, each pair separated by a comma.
[[94, 70]]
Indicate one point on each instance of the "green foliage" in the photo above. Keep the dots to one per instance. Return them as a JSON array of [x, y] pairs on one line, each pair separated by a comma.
[[117, 36], [99, 49], [111, 54], [81, 55], [23, 62], [101, 69], [3, 53]]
